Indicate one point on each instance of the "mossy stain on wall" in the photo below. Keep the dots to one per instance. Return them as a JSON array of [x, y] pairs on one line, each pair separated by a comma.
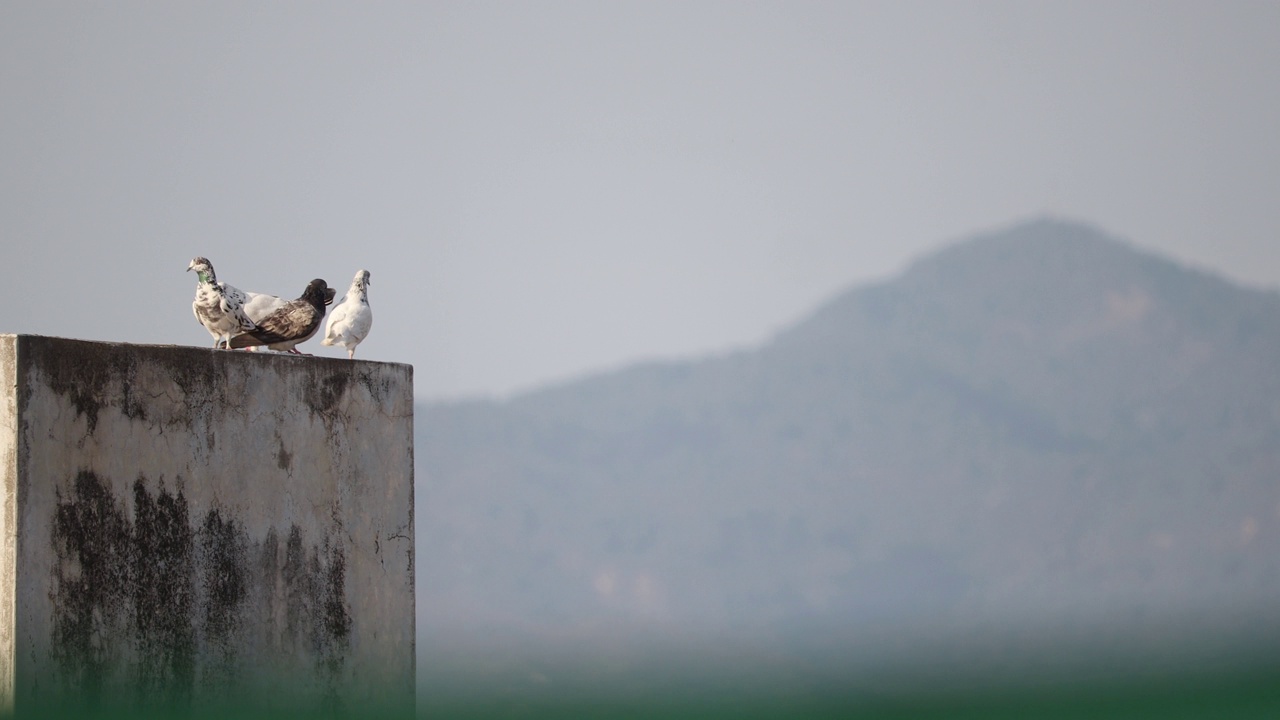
[[150, 604]]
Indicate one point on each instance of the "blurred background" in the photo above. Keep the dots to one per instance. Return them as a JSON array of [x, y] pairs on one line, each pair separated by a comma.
[[844, 354]]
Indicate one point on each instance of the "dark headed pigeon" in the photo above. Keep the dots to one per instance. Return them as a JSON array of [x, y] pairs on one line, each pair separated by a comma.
[[260, 305], [293, 323]]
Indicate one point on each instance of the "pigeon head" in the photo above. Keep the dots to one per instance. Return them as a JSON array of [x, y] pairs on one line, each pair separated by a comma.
[[203, 268], [318, 293], [361, 280]]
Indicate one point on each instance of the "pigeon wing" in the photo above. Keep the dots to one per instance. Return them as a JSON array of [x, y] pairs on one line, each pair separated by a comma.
[[336, 324], [260, 305], [297, 319], [234, 293], [233, 301], [362, 322]]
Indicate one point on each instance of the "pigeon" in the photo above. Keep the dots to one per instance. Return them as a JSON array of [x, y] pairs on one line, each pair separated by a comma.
[[351, 319], [260, 305], [295, 322], [218, 306]]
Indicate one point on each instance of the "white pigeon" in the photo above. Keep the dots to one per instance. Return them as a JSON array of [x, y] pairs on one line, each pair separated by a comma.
[[218, 306], [350, 320]]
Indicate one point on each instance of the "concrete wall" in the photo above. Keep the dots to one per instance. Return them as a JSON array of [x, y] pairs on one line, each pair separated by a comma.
[[183, 527]]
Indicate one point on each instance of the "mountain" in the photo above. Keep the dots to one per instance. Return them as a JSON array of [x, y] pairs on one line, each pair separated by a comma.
[[1038, 427]]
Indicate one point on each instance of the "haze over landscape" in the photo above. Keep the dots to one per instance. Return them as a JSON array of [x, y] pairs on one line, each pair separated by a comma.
[[1036, 436]]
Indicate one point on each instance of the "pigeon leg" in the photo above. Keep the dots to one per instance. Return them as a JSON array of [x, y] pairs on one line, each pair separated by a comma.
[[351, 353]]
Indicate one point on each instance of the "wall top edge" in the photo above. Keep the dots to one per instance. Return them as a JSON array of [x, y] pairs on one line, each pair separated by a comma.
[[24, 339]]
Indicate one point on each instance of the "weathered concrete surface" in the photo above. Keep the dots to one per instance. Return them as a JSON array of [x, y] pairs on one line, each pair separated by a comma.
[[8, 517], [183, 527]]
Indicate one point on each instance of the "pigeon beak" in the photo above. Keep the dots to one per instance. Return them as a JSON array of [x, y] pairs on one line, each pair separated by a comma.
[[329, 293]]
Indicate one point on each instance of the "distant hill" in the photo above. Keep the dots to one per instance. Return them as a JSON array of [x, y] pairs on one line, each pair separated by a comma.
[[1041, 425]]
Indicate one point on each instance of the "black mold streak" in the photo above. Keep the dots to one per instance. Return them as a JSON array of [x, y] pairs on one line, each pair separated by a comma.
[[198, 375], [162, 595], [152, 604], [225, 548], [379, 390], [269, 570], [323, 393], [337, 619], [82, 373], [315, 584], [91, 536], [296, 583], [284, 458]]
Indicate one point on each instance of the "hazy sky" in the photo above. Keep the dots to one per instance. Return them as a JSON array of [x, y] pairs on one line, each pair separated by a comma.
[[542, 189]]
